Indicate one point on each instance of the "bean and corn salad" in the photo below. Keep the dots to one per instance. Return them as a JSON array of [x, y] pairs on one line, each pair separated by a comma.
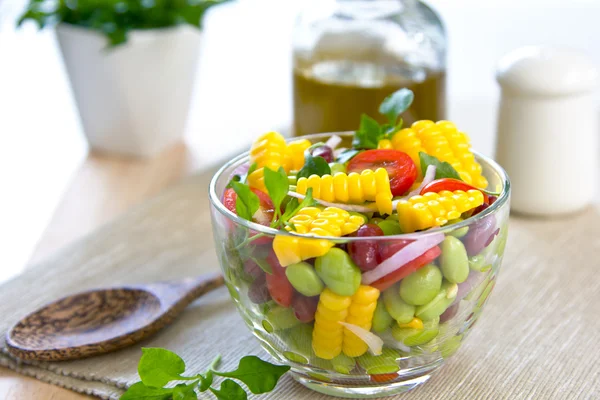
[[349, 305]]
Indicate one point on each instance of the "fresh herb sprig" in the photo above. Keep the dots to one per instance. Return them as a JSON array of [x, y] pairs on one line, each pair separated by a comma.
[[370, 132], [115, 19], [313, 165], [442, 168], [159, 367]]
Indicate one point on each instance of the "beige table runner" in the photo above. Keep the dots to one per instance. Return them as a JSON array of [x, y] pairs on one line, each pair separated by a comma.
[[538, 337]]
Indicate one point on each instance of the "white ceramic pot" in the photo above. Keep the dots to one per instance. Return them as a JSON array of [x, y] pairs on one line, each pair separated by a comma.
[[133, 99]]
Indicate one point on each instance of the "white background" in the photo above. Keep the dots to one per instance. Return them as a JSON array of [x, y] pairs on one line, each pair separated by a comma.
[[243, 88]]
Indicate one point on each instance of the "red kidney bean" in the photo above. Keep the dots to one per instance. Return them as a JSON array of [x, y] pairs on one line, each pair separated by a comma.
[[258, 293], [365, 253], [252, 269], [305, 307], [449, 313]]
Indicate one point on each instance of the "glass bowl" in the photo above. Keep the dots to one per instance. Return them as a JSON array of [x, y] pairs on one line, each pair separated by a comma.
[[411, 353]]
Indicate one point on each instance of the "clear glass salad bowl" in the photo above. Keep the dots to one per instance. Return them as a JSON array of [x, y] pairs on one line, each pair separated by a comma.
[[410, 353]]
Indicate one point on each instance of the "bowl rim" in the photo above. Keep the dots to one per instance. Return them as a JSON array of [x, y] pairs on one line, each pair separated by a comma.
[[216, 202]]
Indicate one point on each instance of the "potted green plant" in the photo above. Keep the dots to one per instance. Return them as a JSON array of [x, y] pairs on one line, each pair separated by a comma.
[[131, 65]]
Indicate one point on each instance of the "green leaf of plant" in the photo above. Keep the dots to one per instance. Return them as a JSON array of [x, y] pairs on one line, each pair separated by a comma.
[[313, 166], [347, 156], [442, 169], [251, 169], [206, 381], [247, 202], [157, 367], [277, 185], [184, 392], [368, 135], [230, 390], [290, 209], [260, 376], [139, 391], [395, 104]]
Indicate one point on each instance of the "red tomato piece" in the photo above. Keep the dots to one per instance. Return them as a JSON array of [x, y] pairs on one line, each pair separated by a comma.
[[400, 167], [451, 184], [407, 269], [279, 287], [382, 378]]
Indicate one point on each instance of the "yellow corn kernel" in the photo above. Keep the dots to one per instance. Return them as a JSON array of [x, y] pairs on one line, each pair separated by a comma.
[[384, 144], [257, 179], [331, 221], [352, 188], [444, 141], [270, 150], [328, 334], [435, 209], [416, 323], [360, 313], [296, 153]]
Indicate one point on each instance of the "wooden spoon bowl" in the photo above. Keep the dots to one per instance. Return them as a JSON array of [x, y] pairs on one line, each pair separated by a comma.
[[101, 321]]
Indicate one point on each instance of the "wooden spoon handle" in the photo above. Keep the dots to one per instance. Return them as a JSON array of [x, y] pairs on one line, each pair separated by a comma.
[[181, 293]]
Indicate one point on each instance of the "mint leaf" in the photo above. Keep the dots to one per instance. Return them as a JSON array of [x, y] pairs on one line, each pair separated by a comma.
[[247, 202], [139, 391], [395, 104], [230, 390], [277, 185], [347, 156], [185, 392], [157, 367], [442, 169], [260, 376], [313, 165], [368, 135]]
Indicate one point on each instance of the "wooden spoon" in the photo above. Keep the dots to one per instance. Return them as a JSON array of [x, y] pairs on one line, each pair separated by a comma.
[[104, 320]]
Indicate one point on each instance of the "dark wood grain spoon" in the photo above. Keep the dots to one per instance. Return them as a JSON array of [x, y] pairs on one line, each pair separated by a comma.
[[103, 320]]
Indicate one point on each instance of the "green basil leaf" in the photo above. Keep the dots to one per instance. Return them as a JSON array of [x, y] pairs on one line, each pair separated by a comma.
[[184, 392], [139, 391], [313, 166], [347, 156], [307, 201], [290, 209], [247, 202], [230, 390], [395, 104], [260, 376], [235, 178], [264, 265], [368, 135], [442, 169], [277, 185], [157, 367]]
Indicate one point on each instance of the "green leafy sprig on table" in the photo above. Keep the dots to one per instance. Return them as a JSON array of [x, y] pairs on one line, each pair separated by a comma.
[[158, 367], [370, 132], [114, 19]]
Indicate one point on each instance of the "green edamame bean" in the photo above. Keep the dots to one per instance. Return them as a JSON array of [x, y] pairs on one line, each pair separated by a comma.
[[343, 364], [477, 263], [304, 279], [381, 318], [416, 337], [458, 233], [337, 167], [390, 227], [375, 220], [421, 286], [281, 318], [338, 272], [393, 217], [402, 312], [454, 260], [363, 216], [383, 364], [440, 302]]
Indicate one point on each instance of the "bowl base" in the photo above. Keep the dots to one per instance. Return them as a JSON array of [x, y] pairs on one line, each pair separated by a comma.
[[362, 391]]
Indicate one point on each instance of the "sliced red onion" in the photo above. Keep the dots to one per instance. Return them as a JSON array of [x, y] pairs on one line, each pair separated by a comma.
[[403, 256], [333, 141], [427, 179], [347, 207], [374, 342]]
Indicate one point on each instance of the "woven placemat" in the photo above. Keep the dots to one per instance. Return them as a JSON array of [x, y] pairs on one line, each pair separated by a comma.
[[536, 339]]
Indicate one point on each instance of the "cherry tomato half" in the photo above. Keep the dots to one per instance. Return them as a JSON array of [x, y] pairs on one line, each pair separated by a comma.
[[407, 269], [279, 287], [399, 165], [451, 184]]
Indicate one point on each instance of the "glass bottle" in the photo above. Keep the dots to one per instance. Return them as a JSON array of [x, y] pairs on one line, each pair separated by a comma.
[[350, 54]]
